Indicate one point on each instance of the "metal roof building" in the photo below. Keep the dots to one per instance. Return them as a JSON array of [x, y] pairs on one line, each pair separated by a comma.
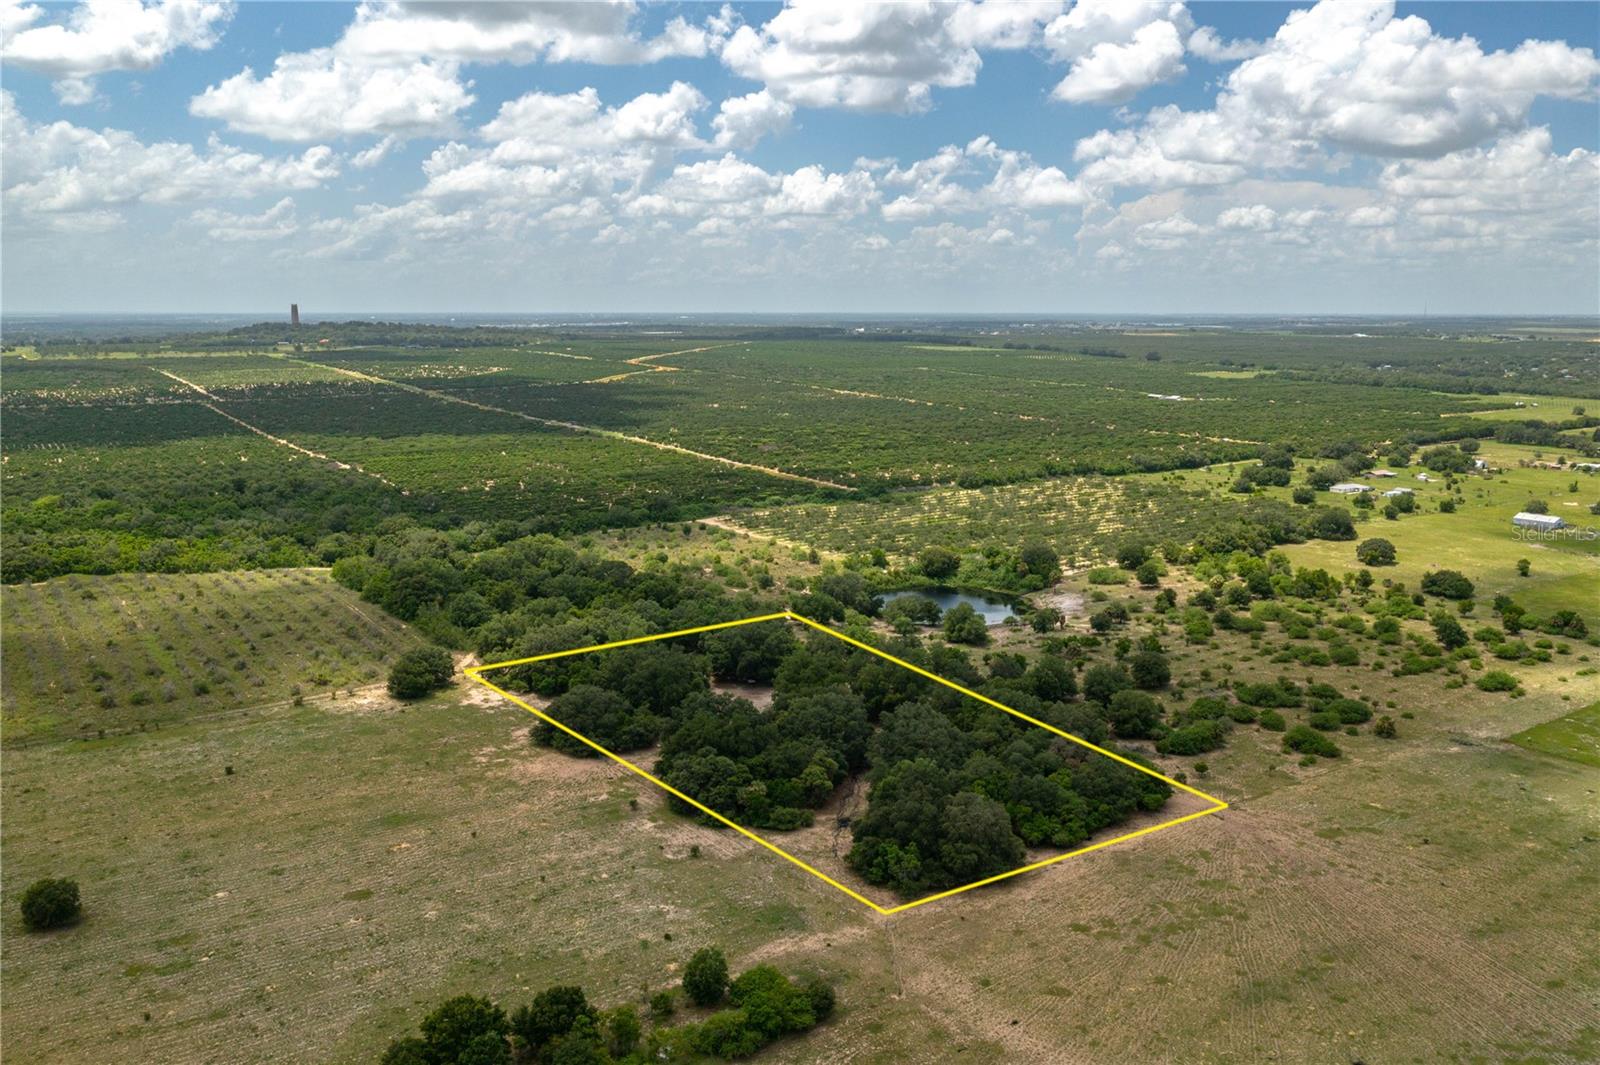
[[1537, 521]]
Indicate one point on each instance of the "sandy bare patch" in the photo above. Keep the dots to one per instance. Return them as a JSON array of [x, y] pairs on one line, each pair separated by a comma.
[[759, 694]]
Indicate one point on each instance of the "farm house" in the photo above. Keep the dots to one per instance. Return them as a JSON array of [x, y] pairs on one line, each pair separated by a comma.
[[1348, 488], [1394, 492], [1525, 520]]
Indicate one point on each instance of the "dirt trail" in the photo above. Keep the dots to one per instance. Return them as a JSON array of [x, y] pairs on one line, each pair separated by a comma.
[[576, 427], [211, 404]]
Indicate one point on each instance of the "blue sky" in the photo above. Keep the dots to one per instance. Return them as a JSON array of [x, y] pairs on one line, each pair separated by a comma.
[[1045, 157]]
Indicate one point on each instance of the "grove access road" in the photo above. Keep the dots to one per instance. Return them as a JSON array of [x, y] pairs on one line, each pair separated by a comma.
[[576, 427]]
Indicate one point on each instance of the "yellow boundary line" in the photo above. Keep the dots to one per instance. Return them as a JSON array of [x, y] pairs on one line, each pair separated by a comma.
[[476, 673]]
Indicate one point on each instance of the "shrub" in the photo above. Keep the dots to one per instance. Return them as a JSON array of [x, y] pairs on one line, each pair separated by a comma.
[[1497, 680], [1134, 714], [662, 1005], [1272, 721], [1305, 740], [622, 1031], [50, 903], [939, 562], [726, 1035], [1375, 552], [821, 997], [705, 978], [1447, 584], [460, 1023], [1384, 728], [1101, 682], [419, 671], [1150, 670], [1196, 738], [772, 1005], [962, 624]]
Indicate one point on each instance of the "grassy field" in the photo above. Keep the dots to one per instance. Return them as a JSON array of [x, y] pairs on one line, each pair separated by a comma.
[[301, 883], [1479, 540], [1575, 736], [90, 655], [1518, 407]]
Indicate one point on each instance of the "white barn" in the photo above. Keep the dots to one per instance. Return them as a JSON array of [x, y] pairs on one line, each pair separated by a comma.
[[1349, 488], [1525, 520], [1391, 493]]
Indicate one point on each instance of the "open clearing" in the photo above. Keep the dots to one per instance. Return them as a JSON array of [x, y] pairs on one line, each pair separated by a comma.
[[296, 910]]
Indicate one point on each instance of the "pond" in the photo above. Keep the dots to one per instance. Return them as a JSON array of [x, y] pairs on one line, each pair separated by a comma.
[[993, 610]]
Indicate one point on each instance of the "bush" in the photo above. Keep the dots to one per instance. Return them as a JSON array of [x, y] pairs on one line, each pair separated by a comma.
[[1447, 584], [1101, 682], [771, 1004], [962, 624], [705, 978], [1134, 714], [463, 1022], [50, 903], [1375, 552], [662, 1005], [1384, 728], [1497, 680], [821, 997], [726, 1035], [1331, 523], [419, 671], [1272, 721], [1196, 738], [939, 562], [1150, 670], [1303, 739]]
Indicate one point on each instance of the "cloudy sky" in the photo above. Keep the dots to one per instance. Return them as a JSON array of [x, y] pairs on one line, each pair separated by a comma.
[[1088, 157]]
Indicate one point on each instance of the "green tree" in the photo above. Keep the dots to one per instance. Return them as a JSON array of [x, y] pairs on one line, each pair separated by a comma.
[[772, 1005], [419, 671], [1448, 631], [705, 978], [1523, 567], [50, 903], [1447, 584], [962, 624], [458, 1022], [1131, 554], [938, 563], [1331, 523], [1149, 573], [603, 716], [1134, 714], [977, 840], [552, 1013], [1102, 681], [1149, 670], [1041, 560], [622, 1031], [1375, 552], [408, 1050], [1045, 619]]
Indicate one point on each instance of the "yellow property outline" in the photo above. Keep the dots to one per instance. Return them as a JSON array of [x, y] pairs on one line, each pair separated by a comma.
[[476, 673]]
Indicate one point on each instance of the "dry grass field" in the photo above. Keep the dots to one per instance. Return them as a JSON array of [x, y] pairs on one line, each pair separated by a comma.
[[299, 885]]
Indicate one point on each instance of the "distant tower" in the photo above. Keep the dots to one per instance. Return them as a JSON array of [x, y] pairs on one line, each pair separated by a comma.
[[294, 315]]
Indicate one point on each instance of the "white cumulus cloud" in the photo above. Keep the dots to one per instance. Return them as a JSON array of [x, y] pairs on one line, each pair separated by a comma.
[[98, 36]]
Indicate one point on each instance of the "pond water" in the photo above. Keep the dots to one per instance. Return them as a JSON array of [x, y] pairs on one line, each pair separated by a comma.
[[993, 611]]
